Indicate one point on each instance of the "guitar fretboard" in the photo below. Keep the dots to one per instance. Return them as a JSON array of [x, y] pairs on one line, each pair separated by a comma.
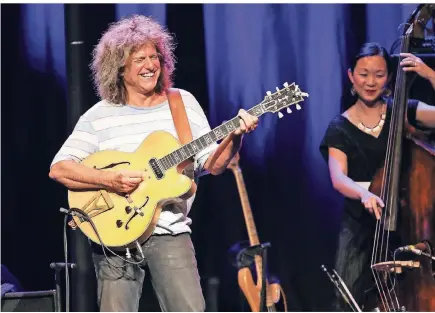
[[190, 149]]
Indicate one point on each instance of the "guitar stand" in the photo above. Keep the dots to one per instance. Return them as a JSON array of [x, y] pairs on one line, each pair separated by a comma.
[[246, 257]]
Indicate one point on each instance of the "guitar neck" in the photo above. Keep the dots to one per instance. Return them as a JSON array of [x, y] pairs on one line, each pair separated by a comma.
[[192, 148], [249, 219], [247, 211], [275, 102]]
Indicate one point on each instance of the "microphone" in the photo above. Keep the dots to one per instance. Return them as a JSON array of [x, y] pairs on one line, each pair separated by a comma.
[[63, 210], [416, 249], [70, 212]]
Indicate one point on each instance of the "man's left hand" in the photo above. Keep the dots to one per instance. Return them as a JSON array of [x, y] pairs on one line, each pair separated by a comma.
[[248, 122]]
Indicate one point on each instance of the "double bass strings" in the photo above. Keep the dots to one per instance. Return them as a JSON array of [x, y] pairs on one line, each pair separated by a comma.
[[389, 297]]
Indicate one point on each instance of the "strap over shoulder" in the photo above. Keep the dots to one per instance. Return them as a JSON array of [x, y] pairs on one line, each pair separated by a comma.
[[179, 115]]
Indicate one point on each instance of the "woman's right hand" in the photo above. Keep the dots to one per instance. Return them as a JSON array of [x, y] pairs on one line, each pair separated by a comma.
[[372, 203], [412, 63]]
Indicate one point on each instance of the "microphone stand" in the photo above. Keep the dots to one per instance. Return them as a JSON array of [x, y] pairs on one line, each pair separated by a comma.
[[57, 267], [246, 257], [342, 288]]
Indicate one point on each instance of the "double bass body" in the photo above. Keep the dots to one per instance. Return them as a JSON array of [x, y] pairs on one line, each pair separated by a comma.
[[416, 222]]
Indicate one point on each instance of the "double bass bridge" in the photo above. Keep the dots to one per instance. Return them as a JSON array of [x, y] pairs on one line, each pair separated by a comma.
[[395, 266]]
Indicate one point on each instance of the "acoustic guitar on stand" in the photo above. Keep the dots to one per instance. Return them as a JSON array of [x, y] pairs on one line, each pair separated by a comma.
[[250, 289], [125, 221]]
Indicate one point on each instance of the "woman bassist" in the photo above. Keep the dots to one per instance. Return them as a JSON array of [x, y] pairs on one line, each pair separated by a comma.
[[354, 146]]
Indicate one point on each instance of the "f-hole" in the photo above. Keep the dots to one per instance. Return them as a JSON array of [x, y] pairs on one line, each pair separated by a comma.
[[137, 211]]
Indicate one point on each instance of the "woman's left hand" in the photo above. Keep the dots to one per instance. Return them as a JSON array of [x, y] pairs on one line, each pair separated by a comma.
[[411, 63]]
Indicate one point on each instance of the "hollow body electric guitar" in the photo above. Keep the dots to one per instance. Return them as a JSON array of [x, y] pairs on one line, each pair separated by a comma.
[[250, 289], [123, 221]]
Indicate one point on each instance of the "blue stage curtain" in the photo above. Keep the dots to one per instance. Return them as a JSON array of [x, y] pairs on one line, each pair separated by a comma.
[[157, 11]]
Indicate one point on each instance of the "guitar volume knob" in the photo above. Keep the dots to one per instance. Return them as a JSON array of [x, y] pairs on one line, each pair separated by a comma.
[[128, 209]]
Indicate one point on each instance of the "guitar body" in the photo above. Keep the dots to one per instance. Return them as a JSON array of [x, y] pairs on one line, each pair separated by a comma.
[[252, 291], [117, 223]]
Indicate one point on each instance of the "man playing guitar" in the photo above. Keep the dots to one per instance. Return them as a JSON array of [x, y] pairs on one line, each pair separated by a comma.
[[132, 66]]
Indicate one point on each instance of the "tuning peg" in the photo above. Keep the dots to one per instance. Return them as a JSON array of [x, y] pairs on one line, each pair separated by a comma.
[[277, 90], [298, 107], [285, 85], [280, 115], [289, 110], [269, 93], [302, 94]]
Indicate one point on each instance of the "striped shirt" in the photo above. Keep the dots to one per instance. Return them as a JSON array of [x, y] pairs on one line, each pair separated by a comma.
[[123, 128]]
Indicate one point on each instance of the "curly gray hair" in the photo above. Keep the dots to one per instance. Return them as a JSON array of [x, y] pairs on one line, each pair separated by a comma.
[[115, 46]]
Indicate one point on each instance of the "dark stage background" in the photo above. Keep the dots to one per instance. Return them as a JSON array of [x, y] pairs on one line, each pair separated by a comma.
[[229, 55]]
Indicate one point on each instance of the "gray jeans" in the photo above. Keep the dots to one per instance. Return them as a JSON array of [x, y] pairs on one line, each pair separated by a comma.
[[174, 276]]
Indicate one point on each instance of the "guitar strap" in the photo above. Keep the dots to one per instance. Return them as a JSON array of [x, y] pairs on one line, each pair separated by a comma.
[[181, 122], [179, 115]]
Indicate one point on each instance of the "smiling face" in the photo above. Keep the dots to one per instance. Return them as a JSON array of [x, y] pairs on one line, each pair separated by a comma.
[[369, 78], [142, 70]]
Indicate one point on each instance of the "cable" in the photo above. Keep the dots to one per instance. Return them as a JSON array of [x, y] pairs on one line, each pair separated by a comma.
[[65, 245], [103, 246], [65, 248]]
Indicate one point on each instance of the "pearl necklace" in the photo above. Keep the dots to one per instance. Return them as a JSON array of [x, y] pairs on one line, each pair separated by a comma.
[[375, 129]]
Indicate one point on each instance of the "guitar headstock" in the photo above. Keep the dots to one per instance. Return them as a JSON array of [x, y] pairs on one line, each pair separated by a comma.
[[283, 98]]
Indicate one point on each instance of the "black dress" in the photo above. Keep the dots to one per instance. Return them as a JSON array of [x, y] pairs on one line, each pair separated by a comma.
[[365, 155]]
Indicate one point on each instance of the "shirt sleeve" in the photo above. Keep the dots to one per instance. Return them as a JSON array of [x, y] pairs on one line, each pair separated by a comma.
[[335, 138], [412, 114], [81, 143], [202, 156]]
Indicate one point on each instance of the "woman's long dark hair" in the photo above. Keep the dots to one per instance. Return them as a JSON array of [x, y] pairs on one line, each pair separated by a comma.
[[367, 50]]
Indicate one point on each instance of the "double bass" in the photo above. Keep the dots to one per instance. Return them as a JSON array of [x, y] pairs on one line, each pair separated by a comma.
[[406, 183]]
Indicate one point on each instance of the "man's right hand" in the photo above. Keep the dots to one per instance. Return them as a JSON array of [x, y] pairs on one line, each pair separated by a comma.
[[125, 181]]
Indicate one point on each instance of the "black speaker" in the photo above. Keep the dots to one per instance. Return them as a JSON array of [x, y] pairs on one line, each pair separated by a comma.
[[33, 301]]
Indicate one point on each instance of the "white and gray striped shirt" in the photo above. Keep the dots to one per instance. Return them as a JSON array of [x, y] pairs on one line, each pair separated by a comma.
[[123, 128]]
